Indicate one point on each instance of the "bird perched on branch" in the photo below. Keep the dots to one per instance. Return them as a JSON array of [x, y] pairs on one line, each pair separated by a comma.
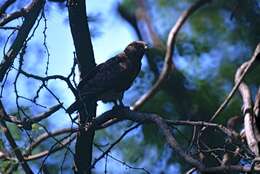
[[109, 80]]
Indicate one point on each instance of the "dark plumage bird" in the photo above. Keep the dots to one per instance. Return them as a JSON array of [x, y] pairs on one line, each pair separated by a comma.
[[109, 80]]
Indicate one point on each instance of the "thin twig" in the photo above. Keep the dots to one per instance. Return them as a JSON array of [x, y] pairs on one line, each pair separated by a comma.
[[12, 142], [49, 152], [33, 12], [113, 144], [10, 28], [47, 135]]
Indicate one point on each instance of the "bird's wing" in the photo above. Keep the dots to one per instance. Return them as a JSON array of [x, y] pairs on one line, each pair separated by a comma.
[[110, 75]]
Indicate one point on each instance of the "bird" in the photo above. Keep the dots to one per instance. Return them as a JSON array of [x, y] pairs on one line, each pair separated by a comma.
[[109, 80]]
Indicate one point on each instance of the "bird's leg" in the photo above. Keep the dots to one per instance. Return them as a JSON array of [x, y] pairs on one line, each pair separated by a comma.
[[120, 99], [115, 104], [121, 104], [118, 104]]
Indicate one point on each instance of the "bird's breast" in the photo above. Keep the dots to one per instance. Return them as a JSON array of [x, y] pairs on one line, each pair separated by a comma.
[[111, 95]]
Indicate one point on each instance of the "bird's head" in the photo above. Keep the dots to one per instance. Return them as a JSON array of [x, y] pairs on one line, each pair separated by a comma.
[[136, 49]]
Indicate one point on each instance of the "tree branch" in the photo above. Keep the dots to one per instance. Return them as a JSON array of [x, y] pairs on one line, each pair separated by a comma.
[[234, 89], [33, 12], [168, 62], [53, 77], [113, 144], [146, 118], [232, 134], [5, 5], [257, 104], [126, 114], [42, 154], [47, 135], [12, 142], [86, 61], [27, 123], [251, 132], [132, 20], [10, 17]]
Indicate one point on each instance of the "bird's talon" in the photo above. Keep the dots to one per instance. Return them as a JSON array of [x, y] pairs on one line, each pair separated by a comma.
[[120, 107]]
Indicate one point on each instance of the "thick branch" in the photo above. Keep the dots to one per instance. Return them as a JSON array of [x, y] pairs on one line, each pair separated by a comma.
[[144, 118], [10, 17], [132, 20], [142, 13], [5, 5], [33, 12], [249, 118], [27, 123], [238, 81], [168, 63], [81, 35], [86, 61], [126, 114], [10, 28]]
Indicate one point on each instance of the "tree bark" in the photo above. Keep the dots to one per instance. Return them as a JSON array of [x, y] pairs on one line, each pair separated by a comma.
[[86, 61]]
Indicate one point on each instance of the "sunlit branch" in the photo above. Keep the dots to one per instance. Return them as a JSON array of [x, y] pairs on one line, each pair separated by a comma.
[[238, 81], [47, 135], [251, 132], [49, 152], [257, 104], [142, 13], [168, 62]]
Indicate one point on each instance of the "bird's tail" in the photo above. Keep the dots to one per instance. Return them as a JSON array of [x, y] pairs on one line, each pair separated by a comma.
[[73, 107], [80, 105]]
